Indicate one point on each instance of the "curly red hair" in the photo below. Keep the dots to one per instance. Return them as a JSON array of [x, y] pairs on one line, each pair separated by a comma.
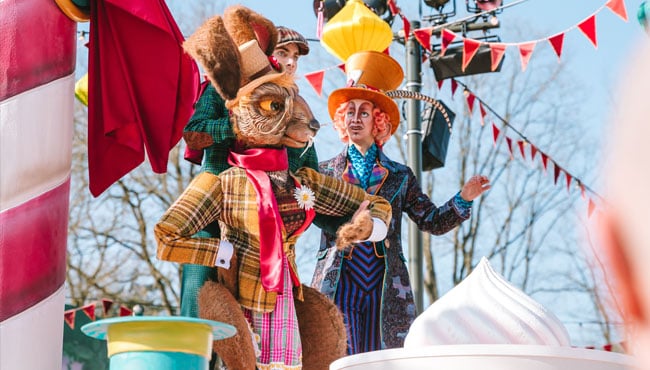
[[380, 131]]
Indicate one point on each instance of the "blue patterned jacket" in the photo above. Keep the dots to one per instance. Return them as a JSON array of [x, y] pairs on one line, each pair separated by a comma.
[[398, 185]]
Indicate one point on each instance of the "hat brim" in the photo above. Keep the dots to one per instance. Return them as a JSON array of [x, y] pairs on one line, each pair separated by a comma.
[[303, 48], [72, 11], [384, 103]]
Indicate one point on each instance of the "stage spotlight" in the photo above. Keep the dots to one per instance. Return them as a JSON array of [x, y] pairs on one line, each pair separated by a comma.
[[450, 64], [437, 4], [478, 6], [331, 7], [487, 5], [436, 129]]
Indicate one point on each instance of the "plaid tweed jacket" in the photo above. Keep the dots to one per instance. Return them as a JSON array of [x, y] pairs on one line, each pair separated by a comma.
[[231, 199]]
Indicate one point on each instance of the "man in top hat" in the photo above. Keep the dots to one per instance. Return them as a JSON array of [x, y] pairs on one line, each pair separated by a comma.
[[211, 116], [369, 282]]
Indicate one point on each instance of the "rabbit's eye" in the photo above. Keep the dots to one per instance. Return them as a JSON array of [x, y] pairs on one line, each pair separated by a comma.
[[271, 105]]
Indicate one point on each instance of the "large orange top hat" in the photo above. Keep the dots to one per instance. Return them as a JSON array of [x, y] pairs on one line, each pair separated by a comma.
[[370, 74]]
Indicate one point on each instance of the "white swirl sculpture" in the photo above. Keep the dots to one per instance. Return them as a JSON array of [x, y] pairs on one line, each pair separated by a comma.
[[486, 309]]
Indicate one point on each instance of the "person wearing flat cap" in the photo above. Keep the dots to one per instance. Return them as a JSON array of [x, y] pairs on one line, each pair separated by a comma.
[[211, 116], [369, 281]]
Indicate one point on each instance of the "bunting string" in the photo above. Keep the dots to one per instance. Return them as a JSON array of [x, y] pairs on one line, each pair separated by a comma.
[[90, 309], [586, 191], [587, 26]]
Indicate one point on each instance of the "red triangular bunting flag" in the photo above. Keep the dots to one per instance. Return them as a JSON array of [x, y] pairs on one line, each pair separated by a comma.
[[423, 35], [68, 316], [470, 47], [470, 102], [124, 311], [440, 84], [341, 67], [407, 27], [608, 347], [89, 310], [588, 28], [496, 54], [568, 181], [544, 160], [521, 144], [509, 141], [590, 208], [454, 86], [106, 304], [533, 152], [495, 133], [556, 42], [483, 112], [315, 79], [618, 7], [525, 52], [556, 172], [393, 7], [447, 38]]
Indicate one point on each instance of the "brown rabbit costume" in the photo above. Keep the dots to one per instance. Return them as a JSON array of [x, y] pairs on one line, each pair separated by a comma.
[[262, 209]]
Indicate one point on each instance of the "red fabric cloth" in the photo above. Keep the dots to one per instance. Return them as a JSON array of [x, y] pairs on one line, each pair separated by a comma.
[[257, 162], [141, 88]]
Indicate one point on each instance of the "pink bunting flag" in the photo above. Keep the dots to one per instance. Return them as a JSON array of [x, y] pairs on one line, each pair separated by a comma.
[[106, 305], [470, 102], [447, 38], [483, 112], [618, 7], [521, 145], [454, 86], [68, 317], [568, 181], [582, 190], [315, 79], [533, 152], [588, 28], [590, 207], [525, 52], [556, 172], [423, 35], [407, 27], [509, 142], [544, 160], [470, 47], [89, 310], [556, 42], [125, 311], [495, 133], [496, 54]]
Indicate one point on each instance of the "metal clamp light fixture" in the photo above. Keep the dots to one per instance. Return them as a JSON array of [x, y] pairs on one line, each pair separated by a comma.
[[478, 6], [331, 7], [450, 64], [442, 15]]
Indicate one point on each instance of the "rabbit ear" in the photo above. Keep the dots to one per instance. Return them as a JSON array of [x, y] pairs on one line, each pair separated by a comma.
[[216, 51], [244, 24]]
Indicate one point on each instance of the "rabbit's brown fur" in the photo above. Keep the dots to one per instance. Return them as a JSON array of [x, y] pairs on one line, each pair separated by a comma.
[[268, 114]]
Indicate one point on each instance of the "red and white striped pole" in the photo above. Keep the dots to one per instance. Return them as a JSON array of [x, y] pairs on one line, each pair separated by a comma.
[[37, 63]]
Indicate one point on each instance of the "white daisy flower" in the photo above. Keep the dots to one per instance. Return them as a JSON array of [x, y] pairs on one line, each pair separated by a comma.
[[305, 197]]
